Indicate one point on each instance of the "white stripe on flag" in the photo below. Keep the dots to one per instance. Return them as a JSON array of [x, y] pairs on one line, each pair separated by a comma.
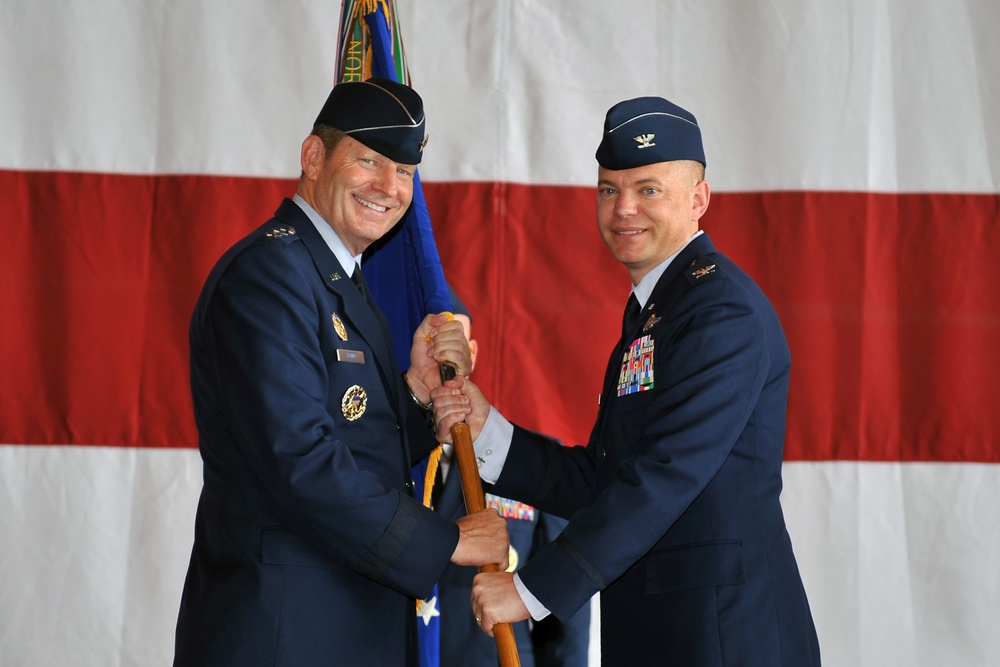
[[852, 95], [900, 561], [96, 542]]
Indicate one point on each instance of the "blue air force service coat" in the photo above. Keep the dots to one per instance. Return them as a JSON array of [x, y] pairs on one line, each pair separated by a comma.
[[309, 548], [674, 501]]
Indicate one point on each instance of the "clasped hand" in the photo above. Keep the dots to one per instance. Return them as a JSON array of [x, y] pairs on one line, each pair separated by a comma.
[[495, 600], [456, 401], [440, 339]]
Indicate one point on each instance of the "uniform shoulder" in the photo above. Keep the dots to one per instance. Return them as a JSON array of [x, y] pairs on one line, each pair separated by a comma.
[[270, 244], [703, 269], [274, 232]]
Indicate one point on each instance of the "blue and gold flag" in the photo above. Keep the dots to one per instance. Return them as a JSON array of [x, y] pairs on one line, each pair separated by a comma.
[[403, 268]]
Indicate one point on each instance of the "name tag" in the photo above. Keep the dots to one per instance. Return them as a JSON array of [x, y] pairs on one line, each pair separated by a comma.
[[351, 356]]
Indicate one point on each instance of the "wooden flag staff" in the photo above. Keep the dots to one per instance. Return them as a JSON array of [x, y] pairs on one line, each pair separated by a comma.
[[475, 501]]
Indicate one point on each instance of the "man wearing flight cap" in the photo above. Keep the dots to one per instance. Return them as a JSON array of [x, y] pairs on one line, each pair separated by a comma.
[[674, 504], [309, 547]]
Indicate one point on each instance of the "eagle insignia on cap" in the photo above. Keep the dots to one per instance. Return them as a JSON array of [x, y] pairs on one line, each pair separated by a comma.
[[423, 142], [645, 140], [354, 403]]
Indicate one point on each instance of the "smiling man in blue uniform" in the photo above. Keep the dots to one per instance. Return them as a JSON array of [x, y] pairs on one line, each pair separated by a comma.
[[674, 503], [309, 547]]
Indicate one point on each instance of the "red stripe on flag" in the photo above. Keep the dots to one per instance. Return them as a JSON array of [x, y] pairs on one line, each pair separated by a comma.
[[102, 273], [889, 303]]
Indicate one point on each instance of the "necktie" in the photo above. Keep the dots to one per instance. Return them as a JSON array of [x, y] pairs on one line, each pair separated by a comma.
[[362, 285], [359, 280], [631, 317]]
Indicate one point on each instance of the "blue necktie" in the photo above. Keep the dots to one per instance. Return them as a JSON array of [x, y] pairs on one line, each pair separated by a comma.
[[631, 317], [359, 281]]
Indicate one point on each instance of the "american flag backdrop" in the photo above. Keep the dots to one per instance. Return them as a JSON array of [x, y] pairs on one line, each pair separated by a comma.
[[853, 151]]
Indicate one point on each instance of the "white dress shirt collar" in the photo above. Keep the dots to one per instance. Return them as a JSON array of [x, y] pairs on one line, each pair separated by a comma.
[[645, 287], [344, 256]]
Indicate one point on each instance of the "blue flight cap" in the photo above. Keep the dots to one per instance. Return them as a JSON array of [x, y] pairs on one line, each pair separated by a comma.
[[385, 116], [647, 130]]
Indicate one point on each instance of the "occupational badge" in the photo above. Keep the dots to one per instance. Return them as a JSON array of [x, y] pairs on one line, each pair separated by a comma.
[[703, 271], [338, 326], [353, 403], [650, 323]]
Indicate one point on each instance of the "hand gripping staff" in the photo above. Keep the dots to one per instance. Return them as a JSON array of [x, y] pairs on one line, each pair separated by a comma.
[[472, 489]]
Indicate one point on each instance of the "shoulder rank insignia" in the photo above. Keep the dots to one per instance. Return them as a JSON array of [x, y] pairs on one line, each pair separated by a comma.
[[354, 403], [278, 232], [338, 326]]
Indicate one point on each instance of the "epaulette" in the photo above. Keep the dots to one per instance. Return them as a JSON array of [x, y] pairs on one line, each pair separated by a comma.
[[700, 270]]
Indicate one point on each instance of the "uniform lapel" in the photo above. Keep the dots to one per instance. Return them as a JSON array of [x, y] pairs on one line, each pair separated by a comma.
[[369, 322], [668, 290]]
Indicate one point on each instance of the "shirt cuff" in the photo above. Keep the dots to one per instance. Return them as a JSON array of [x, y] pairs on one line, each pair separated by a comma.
[[535, 608], [492, 446]]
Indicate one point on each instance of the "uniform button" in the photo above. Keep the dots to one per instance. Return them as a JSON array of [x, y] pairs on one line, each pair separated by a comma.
[[604, 455], [409, 484]]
